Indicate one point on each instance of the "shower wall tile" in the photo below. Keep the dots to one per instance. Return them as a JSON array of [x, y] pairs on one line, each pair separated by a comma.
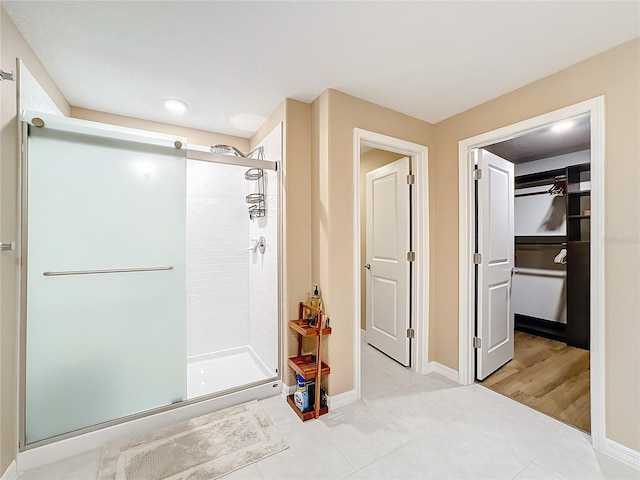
[[217, 262], [263, 269]]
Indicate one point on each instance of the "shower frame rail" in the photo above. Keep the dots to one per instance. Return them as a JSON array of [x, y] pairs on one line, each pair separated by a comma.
[[197, 154]]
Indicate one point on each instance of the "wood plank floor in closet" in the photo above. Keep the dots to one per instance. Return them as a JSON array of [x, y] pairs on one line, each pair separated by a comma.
[[548, 376]]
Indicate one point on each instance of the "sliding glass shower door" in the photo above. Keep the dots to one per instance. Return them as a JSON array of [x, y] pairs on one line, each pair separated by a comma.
[[105, 276]]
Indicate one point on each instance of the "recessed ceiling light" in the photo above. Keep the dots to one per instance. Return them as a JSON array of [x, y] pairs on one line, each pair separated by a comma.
[[175, 106], [562, 126]]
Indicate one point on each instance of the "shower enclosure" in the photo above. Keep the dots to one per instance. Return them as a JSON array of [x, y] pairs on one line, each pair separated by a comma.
[[146, 281]]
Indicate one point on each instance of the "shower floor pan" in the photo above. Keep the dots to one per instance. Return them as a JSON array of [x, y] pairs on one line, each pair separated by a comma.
[[215, 372]]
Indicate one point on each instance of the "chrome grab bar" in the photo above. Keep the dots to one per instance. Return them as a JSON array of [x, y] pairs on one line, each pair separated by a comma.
[[113, 270]]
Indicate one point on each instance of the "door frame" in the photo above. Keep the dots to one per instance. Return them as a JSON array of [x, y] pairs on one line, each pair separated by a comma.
[[420, 232], [466, 370]]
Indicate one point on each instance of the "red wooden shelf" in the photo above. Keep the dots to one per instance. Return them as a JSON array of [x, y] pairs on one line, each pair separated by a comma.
[[306, 330], [306, 366], [306, 415]]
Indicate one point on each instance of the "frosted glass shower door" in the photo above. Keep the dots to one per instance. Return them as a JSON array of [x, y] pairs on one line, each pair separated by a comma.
[[105, 334]]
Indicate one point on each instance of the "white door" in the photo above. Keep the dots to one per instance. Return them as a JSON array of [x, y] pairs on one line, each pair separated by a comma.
[[387, 244], [495, 244]]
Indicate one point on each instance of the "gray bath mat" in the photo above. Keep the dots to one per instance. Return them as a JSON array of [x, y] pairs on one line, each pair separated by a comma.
[[206, 447]]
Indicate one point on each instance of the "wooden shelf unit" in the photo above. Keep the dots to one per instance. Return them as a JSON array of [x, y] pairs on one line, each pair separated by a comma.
[[307, 365]]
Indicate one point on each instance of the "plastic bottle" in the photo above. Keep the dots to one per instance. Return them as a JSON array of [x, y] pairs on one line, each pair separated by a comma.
[[301, 396]]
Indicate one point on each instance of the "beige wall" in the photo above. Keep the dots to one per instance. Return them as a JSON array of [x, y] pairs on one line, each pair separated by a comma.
[[196, 137], [335, 116], [12, 47], [615, 74], [369, 161]]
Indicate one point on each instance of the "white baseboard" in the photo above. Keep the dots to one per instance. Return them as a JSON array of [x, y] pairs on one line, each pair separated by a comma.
[[333, 401], [340, 400], [287, 389], [11, 473], [620, 452], [448, 372]]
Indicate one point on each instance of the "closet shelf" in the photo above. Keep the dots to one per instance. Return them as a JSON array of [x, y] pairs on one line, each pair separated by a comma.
[[579, 192], [306, 366], [578, 256]]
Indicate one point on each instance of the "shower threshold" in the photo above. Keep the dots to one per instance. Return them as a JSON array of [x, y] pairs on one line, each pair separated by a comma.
[[219, 371]]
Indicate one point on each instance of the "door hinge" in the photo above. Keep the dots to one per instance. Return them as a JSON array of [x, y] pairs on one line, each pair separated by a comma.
[[7, 76], [477, 174], [411, 179], [477, 343], [411, 333], [411, 256], [477, 258]]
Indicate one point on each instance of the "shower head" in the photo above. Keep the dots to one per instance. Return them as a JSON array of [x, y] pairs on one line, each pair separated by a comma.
[[227, 150]]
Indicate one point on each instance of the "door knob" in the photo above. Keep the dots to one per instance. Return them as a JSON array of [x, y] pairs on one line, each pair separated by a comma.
[[367, 266]]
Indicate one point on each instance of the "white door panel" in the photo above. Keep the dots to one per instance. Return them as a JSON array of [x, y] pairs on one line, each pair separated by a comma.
[[387, 228], [384, 295], [499, 310], [495, 243]]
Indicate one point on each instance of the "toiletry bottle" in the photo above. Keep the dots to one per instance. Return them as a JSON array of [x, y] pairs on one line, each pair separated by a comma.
[[316, 302], [316, 299]]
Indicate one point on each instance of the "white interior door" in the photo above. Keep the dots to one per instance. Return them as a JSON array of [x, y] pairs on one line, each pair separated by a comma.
[[387, 244], [495, 244]]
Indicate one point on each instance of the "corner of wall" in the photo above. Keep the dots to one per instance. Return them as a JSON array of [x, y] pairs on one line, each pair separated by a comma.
[[278, 115]]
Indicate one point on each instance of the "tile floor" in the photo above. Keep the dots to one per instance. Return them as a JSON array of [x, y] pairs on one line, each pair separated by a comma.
[[410, 426]]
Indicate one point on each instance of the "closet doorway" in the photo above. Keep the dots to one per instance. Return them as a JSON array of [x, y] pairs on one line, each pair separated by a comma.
[[531, 319], [536, 272]]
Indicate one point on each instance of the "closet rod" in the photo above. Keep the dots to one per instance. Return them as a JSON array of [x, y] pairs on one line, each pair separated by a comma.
[[546, 192], [563, 244]]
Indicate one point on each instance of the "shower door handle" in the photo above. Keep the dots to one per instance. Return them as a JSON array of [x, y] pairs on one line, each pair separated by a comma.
[[110, 270]]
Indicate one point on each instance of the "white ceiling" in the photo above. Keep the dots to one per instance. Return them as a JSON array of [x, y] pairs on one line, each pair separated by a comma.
[[236, 61]]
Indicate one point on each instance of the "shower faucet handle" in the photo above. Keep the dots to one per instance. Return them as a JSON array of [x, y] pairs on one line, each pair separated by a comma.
[[258, 244]]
